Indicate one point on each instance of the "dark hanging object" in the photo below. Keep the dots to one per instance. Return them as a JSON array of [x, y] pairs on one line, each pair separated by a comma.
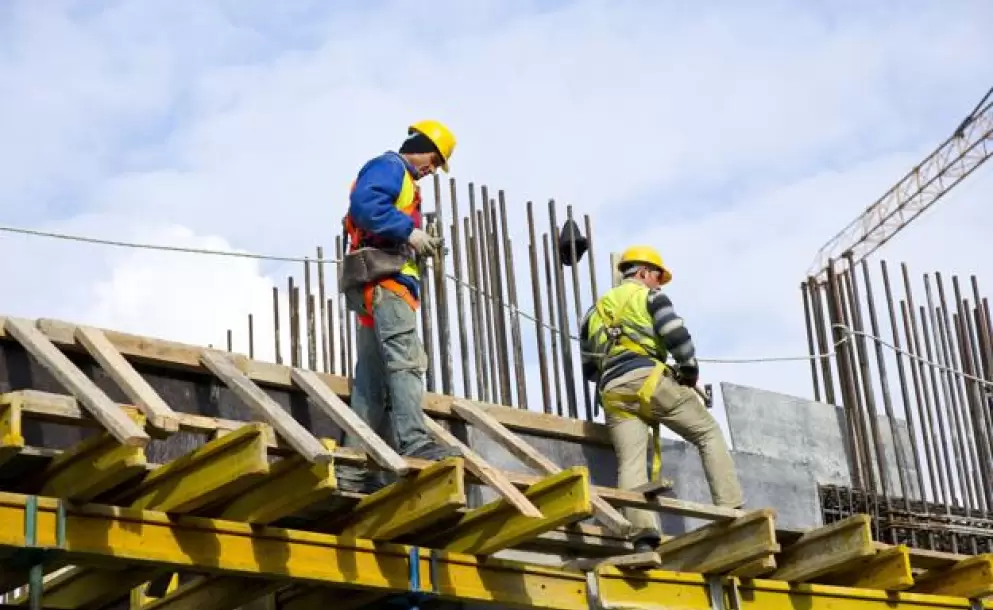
[[570, 231]]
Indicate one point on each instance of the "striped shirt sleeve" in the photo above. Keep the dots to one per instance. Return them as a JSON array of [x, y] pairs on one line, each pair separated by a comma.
[[670, 327]]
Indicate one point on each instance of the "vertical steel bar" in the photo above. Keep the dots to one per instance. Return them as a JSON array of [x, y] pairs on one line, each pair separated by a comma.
[[844, 376], [311, 321], [946, 417], [427, 323], [969, 404], [984, 347], [984, 422], [251, 336], [478, 327], [496, 290], [942, 432], [848, 308], [546, 399], [331, 335], [294, 321], [459, 290], [230, 341], [344, 318], [822, 339], [515, 319], [557, 386], [567, 368], [810, 341], [977, 427], [960, 383], [486, 301], [323, 298], [908, 409], [593, 287], [578, 305], [441, 297], [300, 327], [934, 435], [898, 448], [275, 325]]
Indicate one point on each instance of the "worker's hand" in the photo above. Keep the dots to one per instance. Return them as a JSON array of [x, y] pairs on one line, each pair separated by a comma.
[[687, 375], [423, 243]]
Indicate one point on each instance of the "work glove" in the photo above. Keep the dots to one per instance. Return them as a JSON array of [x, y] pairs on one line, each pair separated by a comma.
[[687, 375], [423, 243]]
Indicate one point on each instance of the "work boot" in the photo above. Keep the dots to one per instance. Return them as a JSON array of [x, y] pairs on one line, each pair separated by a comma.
[[433, 451], [646, 541], [357, 480]]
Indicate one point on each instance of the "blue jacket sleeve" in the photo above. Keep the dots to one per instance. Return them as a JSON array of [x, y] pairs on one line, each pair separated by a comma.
[[372, 202]]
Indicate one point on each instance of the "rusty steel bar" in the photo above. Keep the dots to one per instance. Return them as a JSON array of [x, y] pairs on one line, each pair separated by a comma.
[[844, 374], [275, 326], [478, 328], [427, 324], [459, 289], [496, 289], [552, 321], [331, 340], [546, 398], [230, 340], [486, 302], [942, 436], [972, 405], [822, 340], [441, 296], [515, 319], [593, 285], [574, 267], [859, 413], [294, 320], [311, 321], [251, 336], [808, 324], [322, 298], [344, 345], [563, 321]]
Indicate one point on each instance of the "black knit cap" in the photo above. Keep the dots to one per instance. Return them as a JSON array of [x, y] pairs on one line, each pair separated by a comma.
[[417, 143]]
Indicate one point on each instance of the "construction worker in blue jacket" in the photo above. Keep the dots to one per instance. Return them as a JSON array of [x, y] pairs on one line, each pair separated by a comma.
[[384, 219], [626, 338]]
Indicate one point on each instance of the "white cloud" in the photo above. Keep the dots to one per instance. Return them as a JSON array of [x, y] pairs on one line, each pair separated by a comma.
[[737, 140]]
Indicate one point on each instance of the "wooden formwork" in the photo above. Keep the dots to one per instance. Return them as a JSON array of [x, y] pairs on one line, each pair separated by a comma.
[[274, 473]]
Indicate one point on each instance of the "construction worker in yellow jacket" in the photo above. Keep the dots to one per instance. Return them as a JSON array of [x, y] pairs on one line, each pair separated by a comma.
[[381, 282], [626, 338]]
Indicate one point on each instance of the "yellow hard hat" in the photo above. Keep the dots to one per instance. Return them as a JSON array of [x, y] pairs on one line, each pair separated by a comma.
[[646, 255], [440, 135]]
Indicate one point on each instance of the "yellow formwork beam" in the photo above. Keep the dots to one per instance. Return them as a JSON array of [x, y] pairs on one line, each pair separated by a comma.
[[77, 588], [94, 466], [434, 494], [971, 577], [215, 592], [887, 570], [153, 540], [220, 469], [562, 498], [11, 436]]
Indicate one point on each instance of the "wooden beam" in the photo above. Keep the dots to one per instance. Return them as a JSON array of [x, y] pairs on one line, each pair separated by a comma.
[[172, 354], [562, 498], [887, 570], [971, 578], [265, 407], [346, 419], [646, 560], [134, 386], [412, 504], [606, 513], [718, 548], [69, 375], [217, 471], [483, 471], [829, 549]]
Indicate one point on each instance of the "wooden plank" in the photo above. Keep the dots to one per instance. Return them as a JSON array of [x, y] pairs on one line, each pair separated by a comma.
[[265, 407], [971, 578], [346, 419], [717, 548], [606, 513], [172, 354], [829, 549], [486, 473], [563, 497], [643, 561], [887, 570], [69, 375], [134, 386]]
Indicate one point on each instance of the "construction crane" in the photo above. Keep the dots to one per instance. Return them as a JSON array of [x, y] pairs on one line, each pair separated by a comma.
[[969, 146]]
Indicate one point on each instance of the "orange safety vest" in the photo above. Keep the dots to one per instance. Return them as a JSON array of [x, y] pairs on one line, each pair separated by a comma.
[[408, 202]]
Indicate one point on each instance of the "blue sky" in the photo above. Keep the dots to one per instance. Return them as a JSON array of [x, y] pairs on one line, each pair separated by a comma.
[[736, 138]]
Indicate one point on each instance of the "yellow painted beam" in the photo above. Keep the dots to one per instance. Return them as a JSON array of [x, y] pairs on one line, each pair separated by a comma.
[[413, 503], [83, 588], [562, 498], [971, 577], [220, 469], [140, 595], [718, 548], [292, 484], [221, 593], [888, 570], [11, 436], [830, 549], [94, 466]]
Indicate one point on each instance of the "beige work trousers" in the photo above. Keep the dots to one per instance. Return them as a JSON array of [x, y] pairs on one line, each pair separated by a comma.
[[680, 409]]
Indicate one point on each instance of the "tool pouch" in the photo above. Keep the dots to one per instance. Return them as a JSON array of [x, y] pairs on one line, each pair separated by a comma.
[[366, 265]]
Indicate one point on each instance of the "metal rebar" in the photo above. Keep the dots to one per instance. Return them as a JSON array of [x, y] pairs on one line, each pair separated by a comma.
[[291, 293], [323, 298], [230, 341], [478, 328], [593, 286], [557, 386], [427, 324], [311, 320], [486, 301], [459, 279], [251, 336], [494, 247], [971, 366], [844, 374], [332, 342], [858, 411], [546, 399], [574, 267], [344, 346], [275, 326], [822, 340], [939, 416], [567, 365], [515, 319], [808, 324], [441, 296]]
